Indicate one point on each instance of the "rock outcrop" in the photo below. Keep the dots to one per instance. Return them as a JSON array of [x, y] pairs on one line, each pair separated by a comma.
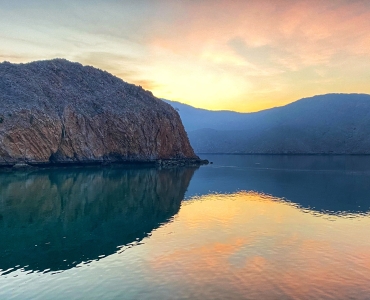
[[62, 112]]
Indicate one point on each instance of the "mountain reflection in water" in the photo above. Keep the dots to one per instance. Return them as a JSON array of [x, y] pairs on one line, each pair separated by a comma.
[[55, 219], [335, 185], [245, 227]]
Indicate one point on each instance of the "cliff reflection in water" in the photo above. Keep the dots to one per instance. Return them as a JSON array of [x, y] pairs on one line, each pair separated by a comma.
[[55, 219]]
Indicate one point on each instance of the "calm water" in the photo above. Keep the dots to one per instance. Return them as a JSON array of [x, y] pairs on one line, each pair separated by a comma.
[[245, 227]]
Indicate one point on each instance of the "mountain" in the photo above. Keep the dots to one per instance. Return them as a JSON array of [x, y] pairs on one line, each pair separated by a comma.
[[197, 118], [325, 124], [57, 111]]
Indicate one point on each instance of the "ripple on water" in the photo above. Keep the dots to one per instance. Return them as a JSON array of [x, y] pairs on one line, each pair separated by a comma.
[[127, 234]]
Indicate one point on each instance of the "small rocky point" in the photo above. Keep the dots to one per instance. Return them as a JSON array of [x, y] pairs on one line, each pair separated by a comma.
[[58, 112]]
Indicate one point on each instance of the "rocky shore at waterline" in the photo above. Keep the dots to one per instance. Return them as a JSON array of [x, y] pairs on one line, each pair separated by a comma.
[[159, 163]]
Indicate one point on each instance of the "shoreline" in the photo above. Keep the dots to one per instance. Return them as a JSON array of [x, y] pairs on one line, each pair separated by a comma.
[[288, 154], [159, 163]]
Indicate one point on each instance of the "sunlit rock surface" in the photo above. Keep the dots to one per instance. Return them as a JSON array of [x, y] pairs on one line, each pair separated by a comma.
[[62, 112]]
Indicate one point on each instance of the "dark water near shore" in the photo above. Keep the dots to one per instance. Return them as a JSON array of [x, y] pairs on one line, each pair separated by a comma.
[[246, 227]]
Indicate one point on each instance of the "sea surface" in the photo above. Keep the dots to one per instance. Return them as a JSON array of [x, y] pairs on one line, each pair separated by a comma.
[[244, 227]]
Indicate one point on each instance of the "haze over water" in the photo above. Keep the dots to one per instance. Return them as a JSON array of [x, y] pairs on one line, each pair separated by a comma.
[[252, 227]]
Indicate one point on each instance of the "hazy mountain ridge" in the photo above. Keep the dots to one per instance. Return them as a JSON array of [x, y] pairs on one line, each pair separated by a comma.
[[325, 124]]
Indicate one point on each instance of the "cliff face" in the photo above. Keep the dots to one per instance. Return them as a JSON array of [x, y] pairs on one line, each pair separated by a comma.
[[57, 111]]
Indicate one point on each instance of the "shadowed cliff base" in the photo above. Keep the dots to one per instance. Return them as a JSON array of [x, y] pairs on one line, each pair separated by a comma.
[[157, 163], [56, 219], [59, 112]]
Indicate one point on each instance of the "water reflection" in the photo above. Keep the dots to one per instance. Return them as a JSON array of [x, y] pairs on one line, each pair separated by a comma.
[[336, 185], [297, 231], [252, 246], [55, 219]]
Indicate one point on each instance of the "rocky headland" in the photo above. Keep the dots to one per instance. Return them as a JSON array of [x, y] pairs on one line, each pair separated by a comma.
[[59, 112]]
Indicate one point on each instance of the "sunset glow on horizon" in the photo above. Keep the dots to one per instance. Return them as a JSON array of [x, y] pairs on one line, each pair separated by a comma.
[[236, 55]]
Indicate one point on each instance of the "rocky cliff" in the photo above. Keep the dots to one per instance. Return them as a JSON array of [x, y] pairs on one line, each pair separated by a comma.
[[62, 112]]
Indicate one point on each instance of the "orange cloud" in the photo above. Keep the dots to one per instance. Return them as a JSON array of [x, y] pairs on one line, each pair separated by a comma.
[[280, 38], [241, 55]]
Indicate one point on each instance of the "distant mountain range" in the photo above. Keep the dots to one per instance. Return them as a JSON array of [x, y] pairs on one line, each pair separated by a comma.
[[325, 124]]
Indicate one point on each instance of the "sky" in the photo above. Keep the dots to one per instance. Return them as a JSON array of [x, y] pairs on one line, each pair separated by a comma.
[[216, 54]]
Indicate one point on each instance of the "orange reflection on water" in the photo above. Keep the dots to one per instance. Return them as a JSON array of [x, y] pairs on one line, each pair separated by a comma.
[[248, 244]]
